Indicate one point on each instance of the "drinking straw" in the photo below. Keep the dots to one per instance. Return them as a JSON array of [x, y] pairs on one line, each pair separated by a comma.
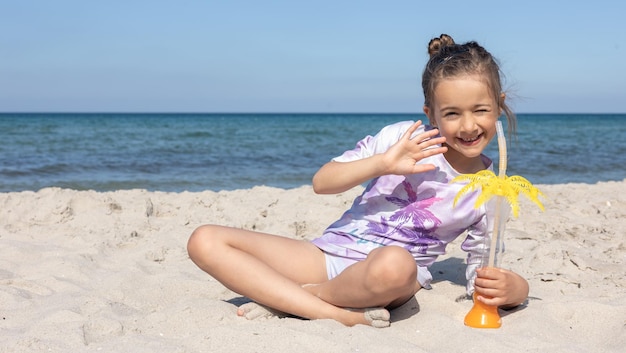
[[495, 237]]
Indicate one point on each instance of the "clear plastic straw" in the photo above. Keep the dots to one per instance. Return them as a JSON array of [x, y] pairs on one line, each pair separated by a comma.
[[501, 205]]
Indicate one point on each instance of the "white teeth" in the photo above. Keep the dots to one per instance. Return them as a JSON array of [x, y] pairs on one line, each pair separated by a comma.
[[470, 140]]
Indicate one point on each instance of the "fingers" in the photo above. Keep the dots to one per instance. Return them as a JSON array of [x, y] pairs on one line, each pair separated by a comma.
[[431, 151], [487, 286], [403, 157], [425, 140], [426, 134], [496, 286], [429, 146], [490, 273], [489, 280], [493, 301], [412, 129]]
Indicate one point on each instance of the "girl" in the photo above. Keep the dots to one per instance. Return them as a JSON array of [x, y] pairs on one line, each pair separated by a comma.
[[376, 256]]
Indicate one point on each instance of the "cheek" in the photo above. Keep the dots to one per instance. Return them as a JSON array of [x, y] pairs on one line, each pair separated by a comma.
[[491, 130], [447, 133]]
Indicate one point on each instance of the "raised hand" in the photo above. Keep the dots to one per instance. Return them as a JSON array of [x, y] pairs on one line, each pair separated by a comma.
[[402, 157]]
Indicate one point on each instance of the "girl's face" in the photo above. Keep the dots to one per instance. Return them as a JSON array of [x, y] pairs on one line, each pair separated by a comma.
[[465, 112]]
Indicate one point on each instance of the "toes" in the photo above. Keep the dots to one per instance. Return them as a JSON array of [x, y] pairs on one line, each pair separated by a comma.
[[377, 317], [253, 311]]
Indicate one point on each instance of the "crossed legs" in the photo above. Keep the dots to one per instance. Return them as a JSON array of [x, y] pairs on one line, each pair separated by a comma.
[[271, 270]]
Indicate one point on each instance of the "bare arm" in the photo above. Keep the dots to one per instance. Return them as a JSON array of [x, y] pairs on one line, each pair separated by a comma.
[[400, 159]]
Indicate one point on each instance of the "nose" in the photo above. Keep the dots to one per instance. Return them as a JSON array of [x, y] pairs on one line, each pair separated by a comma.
[[468, 123]]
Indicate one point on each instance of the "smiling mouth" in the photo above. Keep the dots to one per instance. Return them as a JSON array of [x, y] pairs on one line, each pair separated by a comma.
[[470, 141]]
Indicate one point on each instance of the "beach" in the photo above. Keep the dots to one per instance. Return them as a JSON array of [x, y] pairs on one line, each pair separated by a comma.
[[87, 271]]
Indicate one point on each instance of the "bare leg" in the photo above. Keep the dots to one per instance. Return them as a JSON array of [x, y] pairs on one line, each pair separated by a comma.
[[271, 269], [387, 278], [267, 269], [376, 317]]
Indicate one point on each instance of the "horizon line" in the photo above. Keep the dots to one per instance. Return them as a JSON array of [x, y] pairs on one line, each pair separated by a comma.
[[281, 113]]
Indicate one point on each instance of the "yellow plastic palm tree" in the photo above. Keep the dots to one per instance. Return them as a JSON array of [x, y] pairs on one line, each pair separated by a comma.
[[492, 185], [503, 188]]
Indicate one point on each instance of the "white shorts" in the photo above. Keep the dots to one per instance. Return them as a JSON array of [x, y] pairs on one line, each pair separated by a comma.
[[336, 264]]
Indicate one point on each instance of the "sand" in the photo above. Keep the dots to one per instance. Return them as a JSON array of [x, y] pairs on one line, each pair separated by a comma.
[[83, 271]]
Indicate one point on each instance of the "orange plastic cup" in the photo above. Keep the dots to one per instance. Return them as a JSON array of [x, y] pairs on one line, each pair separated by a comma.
[[483, 315]]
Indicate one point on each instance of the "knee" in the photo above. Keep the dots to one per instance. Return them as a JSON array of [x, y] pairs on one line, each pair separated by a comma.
[[201, 242], [393, 267]]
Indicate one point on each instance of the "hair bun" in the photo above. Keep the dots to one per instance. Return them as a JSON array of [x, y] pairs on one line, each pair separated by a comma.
[[436, 44]]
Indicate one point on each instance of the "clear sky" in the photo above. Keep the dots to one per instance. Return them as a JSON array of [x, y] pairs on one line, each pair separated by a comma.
[[299, 56]]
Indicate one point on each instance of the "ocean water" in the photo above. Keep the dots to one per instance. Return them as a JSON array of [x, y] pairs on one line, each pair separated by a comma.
[[195, 152]]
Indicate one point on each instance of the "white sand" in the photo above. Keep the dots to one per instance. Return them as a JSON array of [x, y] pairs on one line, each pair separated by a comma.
[[88, 271]]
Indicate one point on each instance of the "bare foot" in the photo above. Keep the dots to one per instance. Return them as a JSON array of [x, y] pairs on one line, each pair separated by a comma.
[[253, 311], [377, 317]]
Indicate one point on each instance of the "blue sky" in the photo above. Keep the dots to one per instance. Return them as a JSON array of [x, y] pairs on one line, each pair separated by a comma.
[[299, 56]]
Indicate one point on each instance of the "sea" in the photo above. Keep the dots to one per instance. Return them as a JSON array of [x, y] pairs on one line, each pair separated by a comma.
[[196, 152]]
